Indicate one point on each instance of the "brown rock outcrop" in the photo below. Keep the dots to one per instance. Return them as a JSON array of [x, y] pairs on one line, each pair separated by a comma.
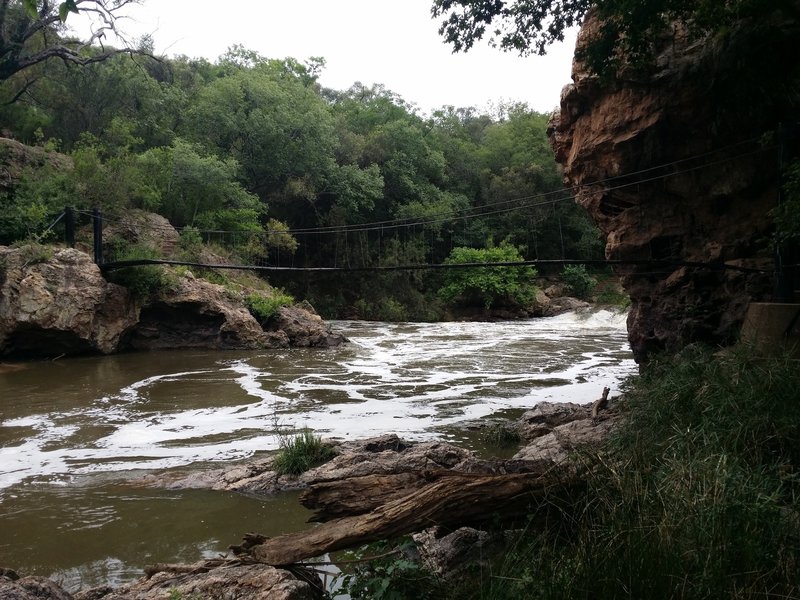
[[198, 314], [671, 170], [59, 305], [56, 302]]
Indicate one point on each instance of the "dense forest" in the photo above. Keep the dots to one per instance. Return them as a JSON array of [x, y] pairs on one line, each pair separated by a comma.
[[252, 155]]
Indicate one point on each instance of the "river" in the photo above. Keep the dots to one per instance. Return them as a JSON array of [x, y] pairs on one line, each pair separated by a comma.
[[75, 434]]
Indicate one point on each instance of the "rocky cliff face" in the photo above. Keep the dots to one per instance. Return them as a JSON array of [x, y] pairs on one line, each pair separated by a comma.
[[670, 171], [57, 302]]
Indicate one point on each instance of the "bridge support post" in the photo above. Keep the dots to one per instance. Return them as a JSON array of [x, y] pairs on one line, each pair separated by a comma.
[[69, 226], [97, 226]]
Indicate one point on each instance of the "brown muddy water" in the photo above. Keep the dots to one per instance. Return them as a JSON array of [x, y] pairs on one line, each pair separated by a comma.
[[75, 434]]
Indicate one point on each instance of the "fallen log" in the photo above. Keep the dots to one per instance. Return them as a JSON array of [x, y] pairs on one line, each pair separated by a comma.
[[358, 495], [453, 499]]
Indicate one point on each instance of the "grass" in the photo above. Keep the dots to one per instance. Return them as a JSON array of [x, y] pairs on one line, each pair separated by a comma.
[[265, 308], [501, 435], [696, 496], [300, 452]]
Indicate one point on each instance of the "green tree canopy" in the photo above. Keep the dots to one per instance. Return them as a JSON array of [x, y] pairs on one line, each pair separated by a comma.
[[630, 26]]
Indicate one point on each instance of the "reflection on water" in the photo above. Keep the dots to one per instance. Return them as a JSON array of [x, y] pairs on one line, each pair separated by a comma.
[[70, 430]]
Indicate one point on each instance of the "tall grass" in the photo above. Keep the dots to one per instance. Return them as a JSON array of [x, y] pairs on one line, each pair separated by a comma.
[[697, 495]]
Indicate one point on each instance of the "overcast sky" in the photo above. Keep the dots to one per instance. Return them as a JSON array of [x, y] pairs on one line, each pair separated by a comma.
[[393, 42]]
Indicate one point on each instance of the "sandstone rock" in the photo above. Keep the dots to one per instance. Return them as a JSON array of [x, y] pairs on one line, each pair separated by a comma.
[[141, 227], [243, 582], [303, 328], [59, 305], [198, 314], [706, 204]]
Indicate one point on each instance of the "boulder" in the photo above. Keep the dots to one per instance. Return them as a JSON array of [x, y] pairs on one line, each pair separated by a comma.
[[304, 328], [56, 302], [195, 313]]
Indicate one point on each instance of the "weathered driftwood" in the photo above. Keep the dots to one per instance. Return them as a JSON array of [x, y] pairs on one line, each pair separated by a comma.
[[359, 495], [454, 498]]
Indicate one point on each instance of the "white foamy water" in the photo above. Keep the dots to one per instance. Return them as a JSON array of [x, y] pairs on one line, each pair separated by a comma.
[[96, 415]]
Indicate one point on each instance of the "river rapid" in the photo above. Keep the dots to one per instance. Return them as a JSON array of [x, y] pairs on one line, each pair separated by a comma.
[[75, 434]]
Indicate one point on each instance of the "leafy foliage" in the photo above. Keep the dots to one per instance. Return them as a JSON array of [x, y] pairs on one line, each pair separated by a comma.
[[393, 576], [578, 281], [144, 282], [265, 308], [488, 286], [628, 26]]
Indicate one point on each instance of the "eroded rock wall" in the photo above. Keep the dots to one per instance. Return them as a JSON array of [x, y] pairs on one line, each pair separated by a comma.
[[669, 171], [56, 302]]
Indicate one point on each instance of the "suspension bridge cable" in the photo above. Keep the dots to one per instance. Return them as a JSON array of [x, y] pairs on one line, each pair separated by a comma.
[[479, 211]]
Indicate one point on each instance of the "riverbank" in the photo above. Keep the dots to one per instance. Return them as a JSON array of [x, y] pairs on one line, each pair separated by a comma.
[[691, 492]]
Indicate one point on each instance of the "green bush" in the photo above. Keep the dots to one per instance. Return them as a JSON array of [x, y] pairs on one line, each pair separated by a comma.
[[488, 286], [265, 308], [301, 452], [392, 576], [579, 283], [145, 281]]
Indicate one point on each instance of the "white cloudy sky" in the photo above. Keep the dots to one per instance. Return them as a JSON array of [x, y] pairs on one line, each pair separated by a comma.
[[393, 42]]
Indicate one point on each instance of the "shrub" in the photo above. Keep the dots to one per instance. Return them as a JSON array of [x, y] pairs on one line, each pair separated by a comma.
[[579, 283], [145, 281], [301, 452], [392, 575], [265, 308], [488, 286]]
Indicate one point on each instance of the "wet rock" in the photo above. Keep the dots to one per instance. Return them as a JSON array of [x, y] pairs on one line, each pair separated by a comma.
[[564, 304], [304, 328]]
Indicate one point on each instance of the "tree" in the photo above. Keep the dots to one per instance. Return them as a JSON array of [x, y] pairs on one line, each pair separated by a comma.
[[487, 286], [628, 26], [30, 33]]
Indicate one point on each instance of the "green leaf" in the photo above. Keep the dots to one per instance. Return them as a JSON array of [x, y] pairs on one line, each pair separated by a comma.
[[69, 6], [30, 7]]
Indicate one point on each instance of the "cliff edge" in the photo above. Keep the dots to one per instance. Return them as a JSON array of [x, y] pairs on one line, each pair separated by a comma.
[[673, 168]]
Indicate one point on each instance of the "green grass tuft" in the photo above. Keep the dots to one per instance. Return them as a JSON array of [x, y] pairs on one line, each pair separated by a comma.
[[301, 452]]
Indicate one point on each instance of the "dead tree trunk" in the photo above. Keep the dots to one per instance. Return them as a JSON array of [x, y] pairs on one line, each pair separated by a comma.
[[452, 499]]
